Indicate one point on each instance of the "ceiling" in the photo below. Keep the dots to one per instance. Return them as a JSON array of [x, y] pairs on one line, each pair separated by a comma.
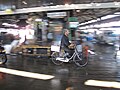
[[82, 14], [92, 14]]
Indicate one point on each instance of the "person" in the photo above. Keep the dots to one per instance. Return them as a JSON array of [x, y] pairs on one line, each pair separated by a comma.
[[65, 43], [50, 37]]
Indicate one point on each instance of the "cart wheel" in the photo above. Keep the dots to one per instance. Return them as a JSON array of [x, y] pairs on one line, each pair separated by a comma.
[[3, 58], [80, 59], [54, 56]]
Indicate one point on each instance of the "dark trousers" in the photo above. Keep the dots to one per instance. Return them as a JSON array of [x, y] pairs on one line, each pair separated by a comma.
[[70, 51]]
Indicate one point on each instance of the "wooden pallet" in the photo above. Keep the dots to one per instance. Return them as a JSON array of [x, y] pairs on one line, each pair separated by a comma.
[[36, 50]]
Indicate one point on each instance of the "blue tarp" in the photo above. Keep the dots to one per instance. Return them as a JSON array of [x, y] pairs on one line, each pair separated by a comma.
[[89, 38]]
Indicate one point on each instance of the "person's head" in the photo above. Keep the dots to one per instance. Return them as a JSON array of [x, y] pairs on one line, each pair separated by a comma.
[[81, 41], [66, 32]]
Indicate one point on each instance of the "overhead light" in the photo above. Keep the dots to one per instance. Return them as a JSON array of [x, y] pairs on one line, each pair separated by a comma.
[[24, 2], [67, 5], [108, 17], [38, 20], [72, 5], [77, 10], [89, 5], [98, 4], [51, 3], [98, 19], [117, 3], [5, 24], [117, 13]]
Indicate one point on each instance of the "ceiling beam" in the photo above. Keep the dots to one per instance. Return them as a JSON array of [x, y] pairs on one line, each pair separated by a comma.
[[64, 7]]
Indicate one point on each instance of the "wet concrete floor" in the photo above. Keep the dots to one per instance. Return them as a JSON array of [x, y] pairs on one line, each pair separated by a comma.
[[102, 67]]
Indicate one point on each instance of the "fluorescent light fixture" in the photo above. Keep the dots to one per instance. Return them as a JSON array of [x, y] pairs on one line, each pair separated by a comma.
[[108, 17], [67, 4], [82, 23], [5, 24], [109, 84], [56, 14], [51, 3], [89, 5], [26, 74], [117, 13], [38, 20], [102, 18], [97, 4], [92, 21], [110, 24], [82, 27], [113, 29], [72, 5], [117, 3], [98, 19], [24, 2], [10, 25]]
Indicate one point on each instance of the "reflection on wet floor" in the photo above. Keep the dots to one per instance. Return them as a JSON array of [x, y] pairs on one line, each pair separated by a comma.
[[26, 74], [2, 75], [103, 83], [70, 88], [103, 67]]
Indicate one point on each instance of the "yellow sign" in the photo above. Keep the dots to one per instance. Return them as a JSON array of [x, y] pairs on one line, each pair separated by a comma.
[[8, 11]]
